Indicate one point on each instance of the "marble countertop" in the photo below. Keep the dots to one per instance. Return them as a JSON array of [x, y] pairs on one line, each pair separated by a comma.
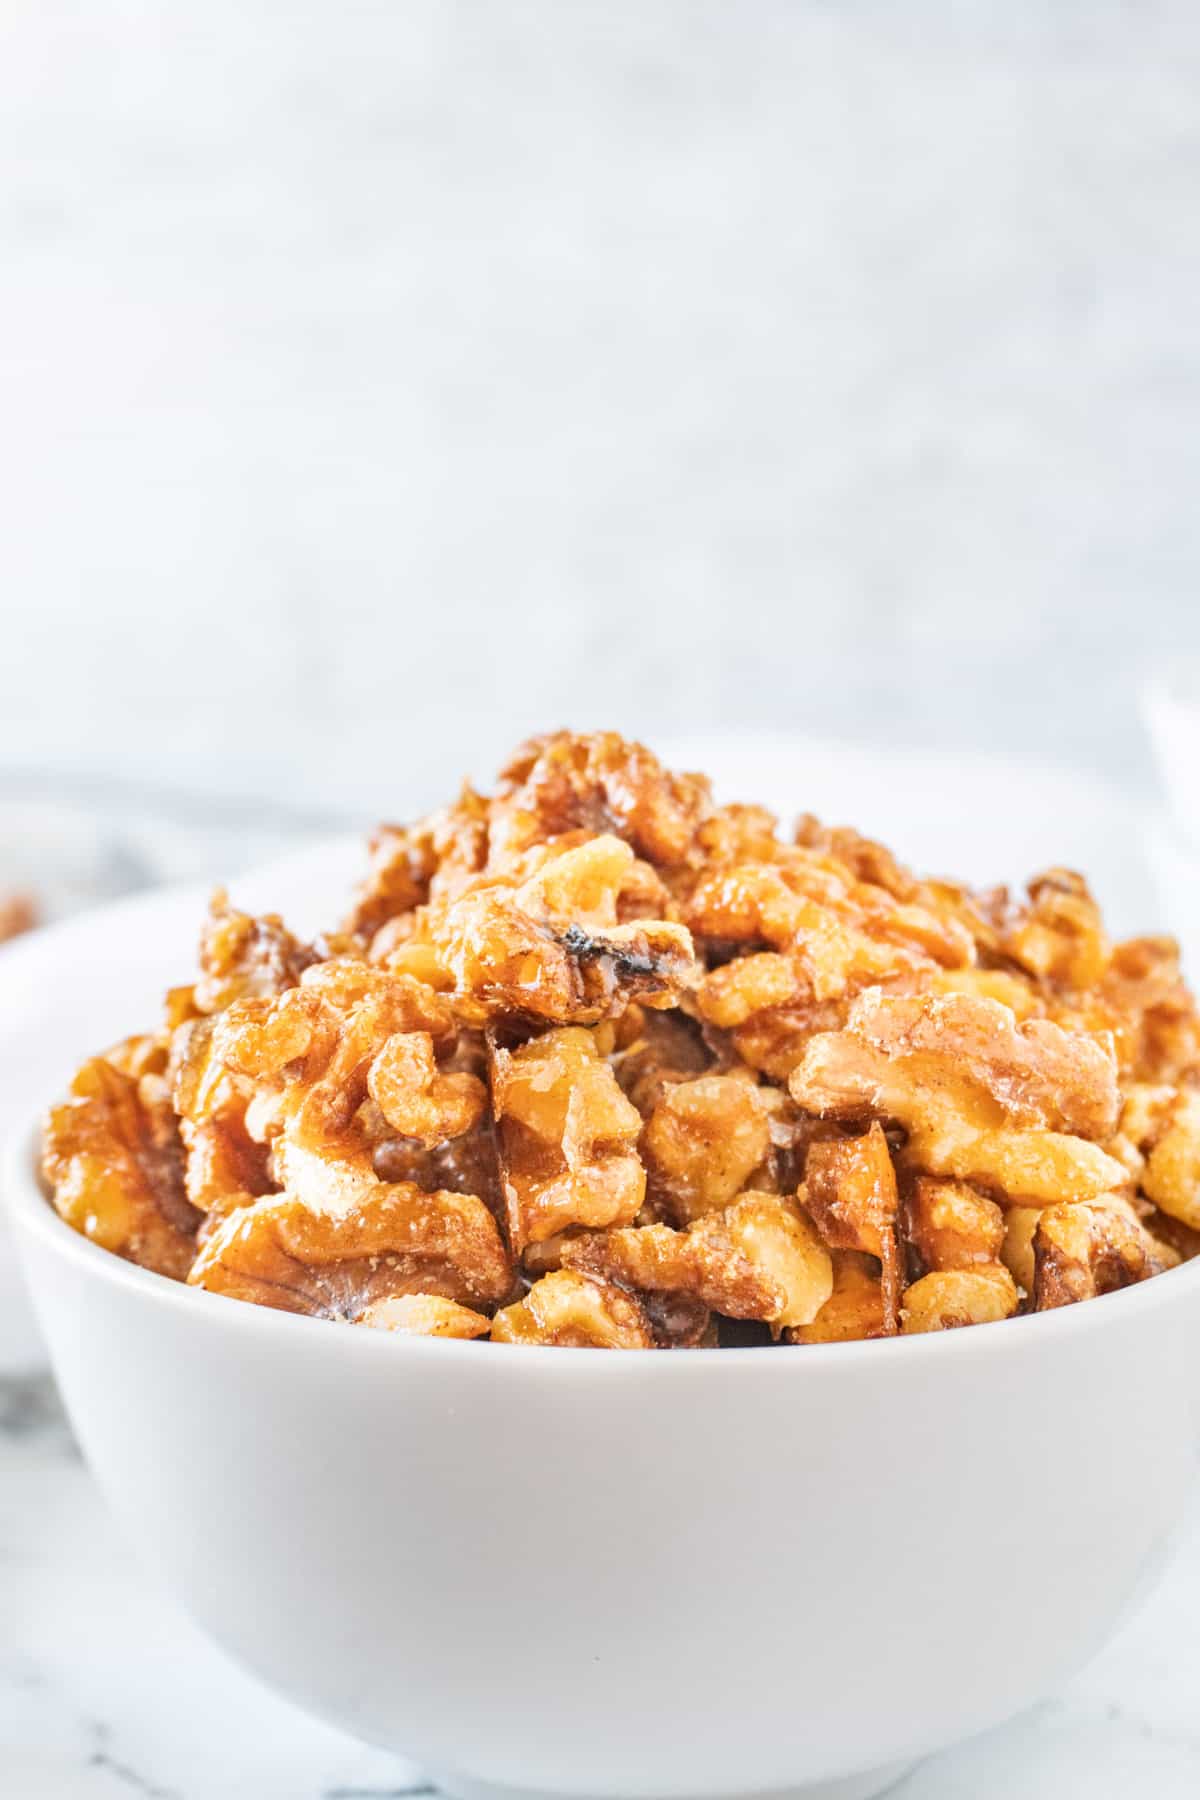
[[107, 1693]]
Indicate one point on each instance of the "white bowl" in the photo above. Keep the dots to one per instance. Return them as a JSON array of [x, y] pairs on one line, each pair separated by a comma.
[[592, 1573]]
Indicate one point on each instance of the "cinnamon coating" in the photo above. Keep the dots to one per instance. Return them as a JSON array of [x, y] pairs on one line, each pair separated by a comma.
[[599, 1062]]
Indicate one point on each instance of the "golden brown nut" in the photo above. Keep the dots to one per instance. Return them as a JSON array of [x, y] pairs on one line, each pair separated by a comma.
[[397, 1240], [653, 1050], [415, 1098], [854, 1310], [596, 783], [1083, 1250], [424, 1315], [241, 956], [1172, 1177], [757, 1259], [112, 1156], [951, 1226], [739, 989], [703, 1143], [568, 1138], [983, 1098], [948, 1298], [313, 1049], [1016, 1253], [223, 1166], [553, 947], [1060, 937], [850, 1192], [411, 864], [578, 1311]]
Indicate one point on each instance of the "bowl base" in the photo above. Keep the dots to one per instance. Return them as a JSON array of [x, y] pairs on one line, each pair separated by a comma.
[[867, 1786]]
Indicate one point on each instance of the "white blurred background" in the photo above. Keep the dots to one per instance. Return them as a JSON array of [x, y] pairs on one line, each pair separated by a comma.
[[379, 383]]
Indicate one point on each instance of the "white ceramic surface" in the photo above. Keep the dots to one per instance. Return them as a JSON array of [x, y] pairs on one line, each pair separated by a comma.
[[704, 1574]]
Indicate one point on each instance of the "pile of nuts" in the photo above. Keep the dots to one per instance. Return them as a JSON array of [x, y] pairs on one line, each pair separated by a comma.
[[598, 1062]]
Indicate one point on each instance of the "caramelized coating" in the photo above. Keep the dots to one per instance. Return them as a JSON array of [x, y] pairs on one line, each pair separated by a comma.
[[112, 1155], [948, 1298], [417, 1100], [411, 864], [854, 1310], [401, 1240], [984, 1099], [1083, 1250], [850, 1191], [598, 784], [425, 1315], [242, 956], [757, 1259], [568, 1138], [703, 1143], [593, 1060], [1060, 938], [575, 1310], [553, 948], [951, 1226], [653, 1051], [1172, 1177]]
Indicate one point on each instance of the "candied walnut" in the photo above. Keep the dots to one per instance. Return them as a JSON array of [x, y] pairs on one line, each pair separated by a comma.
[[850, 1193], [866, 859], [424, 1315], [318, 1042], [223, 1166], [410, 864], [748, 985], [757, 1259], [242, 956], [843, 934], [951, 1226], [17, 914], [982, 1098], [1146, 1002], [854, 1310], [1011, 990], [599, 783], [774, 1040], [145, 1053], [394, 1241], [568, 1137], [948, 1298], [1088, 1249], [1036, 1072], [415, 1098], [552, 948], [1016, 1252], [1172, 1174], [653, 1051], [702, 1144], [1060, 937], [111, 1154], [578, 1311], [466, 1165]]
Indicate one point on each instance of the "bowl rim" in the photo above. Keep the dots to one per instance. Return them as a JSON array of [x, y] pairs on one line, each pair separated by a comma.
[[30, 1209]]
